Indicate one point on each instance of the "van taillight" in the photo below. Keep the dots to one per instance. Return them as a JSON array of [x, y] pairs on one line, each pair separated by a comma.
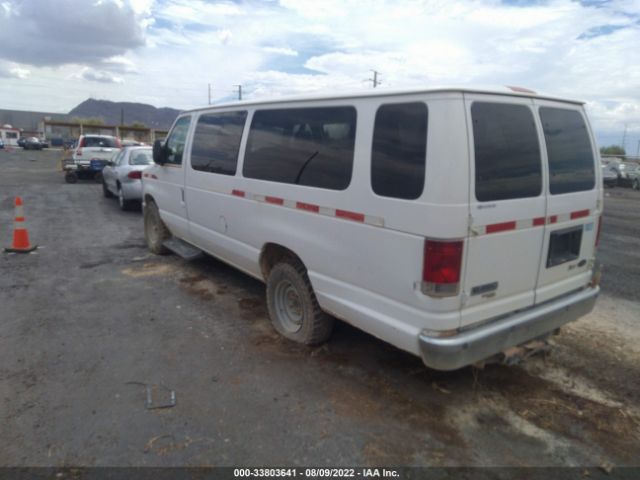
[[442, 263], [135, 174], [598, 231], [118, 144]]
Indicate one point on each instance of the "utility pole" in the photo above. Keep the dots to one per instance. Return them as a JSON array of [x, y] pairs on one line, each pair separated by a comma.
[[239, 91], [122, 116], [624, 136], [375, 80], [209, 94]]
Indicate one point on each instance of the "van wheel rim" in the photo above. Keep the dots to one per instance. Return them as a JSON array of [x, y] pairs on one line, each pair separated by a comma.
[[289, 306]]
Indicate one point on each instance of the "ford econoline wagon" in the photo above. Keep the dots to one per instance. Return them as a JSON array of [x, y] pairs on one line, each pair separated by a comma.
[[451, 223]]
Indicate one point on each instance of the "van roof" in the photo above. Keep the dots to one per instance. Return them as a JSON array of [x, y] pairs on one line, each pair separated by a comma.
[[507, 90]]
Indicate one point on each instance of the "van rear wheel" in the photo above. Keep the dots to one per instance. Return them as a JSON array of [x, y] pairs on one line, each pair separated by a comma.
[[293, 307], [155, 231]]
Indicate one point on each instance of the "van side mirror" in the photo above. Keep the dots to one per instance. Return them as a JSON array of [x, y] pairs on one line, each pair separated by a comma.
[[160, 152]]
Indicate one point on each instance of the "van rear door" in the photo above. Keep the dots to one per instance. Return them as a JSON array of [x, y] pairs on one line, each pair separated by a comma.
[[573, 202], [507, 207]]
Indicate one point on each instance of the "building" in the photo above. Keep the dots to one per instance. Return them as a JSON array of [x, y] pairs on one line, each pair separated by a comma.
[[9, 135], [29, 122]]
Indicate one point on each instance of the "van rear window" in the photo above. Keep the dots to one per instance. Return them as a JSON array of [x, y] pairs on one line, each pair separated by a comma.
[[508, 164], [303, 146], [571, 161], [105, 142], [399, 150]]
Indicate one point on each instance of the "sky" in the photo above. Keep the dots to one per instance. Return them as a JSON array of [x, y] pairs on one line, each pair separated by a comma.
[[57, 53]]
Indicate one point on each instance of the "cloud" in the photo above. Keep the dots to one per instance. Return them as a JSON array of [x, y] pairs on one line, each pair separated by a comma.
[[100, 76], [288, 52], [42, 32], [8, 70]]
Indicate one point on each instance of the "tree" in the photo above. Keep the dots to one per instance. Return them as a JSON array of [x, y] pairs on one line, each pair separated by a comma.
[[138, 125], [613, 150]]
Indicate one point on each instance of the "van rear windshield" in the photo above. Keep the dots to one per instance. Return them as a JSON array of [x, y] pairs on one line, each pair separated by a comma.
[[303, 146], [507, 154], [571, 161]]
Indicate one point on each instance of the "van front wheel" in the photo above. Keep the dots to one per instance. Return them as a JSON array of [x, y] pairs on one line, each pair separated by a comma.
[[155, 231], [293, 307]]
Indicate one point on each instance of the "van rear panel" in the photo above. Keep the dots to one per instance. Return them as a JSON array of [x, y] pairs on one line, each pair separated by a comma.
[[534, 204]]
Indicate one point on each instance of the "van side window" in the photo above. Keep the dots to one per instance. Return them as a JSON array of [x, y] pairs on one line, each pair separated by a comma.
[[216, 142], [176, 140], [399, 150], [569, 151], [508, 163], [304, 146]]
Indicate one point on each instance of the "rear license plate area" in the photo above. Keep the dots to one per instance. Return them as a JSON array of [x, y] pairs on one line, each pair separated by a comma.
[[564, 246]]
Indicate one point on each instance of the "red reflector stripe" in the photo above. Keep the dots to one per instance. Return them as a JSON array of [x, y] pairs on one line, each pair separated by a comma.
[[501, 227], [19, 219], [539, 221], [579, 214], [357, 217], [237, 193], [553, 218], [308, 207], [274, 200]]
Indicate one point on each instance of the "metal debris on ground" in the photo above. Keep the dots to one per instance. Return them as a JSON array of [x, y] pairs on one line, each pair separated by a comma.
[[158, 396]]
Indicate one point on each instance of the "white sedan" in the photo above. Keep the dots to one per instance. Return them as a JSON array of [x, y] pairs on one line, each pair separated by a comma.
[[122, 177]]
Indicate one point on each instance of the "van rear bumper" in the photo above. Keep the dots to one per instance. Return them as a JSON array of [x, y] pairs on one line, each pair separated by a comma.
[[470, 346]]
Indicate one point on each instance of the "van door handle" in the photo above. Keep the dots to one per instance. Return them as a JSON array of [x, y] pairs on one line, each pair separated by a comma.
[[182, 193]]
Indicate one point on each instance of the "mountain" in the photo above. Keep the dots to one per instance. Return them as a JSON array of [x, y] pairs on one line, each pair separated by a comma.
[[111, 113]]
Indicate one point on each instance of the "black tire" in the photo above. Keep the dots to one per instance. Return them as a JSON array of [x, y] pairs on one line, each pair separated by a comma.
[[155, 231], [293, 307], [105, 191], [97, 177], [125, 204], [70, 177]]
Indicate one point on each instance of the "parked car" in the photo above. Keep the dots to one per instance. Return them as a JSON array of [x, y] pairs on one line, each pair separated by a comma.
[[609, 176], [633, 173], [621, 169], [132, 143], [21, 141], [90, 156], [338, 204], [122, 176], [44, 142], [1, 143], [32, 143]]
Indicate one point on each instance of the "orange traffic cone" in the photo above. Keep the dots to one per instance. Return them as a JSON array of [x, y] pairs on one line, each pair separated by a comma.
[[20, 235]]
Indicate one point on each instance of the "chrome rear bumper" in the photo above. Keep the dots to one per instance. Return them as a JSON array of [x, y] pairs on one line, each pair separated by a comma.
[[470, 346]]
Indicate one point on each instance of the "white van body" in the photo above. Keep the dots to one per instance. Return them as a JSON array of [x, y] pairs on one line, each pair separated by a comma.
[[525, 265]]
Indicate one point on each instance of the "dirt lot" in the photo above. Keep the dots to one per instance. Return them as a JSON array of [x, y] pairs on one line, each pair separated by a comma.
[[92, 310]]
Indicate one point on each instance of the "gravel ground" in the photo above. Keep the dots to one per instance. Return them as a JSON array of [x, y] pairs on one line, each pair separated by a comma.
[[92, 311]]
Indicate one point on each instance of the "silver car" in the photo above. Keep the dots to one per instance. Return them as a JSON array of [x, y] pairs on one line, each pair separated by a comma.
[[122, 176], [633, 174]]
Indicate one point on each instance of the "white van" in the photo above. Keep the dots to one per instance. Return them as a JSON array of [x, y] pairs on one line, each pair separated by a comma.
[[451, 223]]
